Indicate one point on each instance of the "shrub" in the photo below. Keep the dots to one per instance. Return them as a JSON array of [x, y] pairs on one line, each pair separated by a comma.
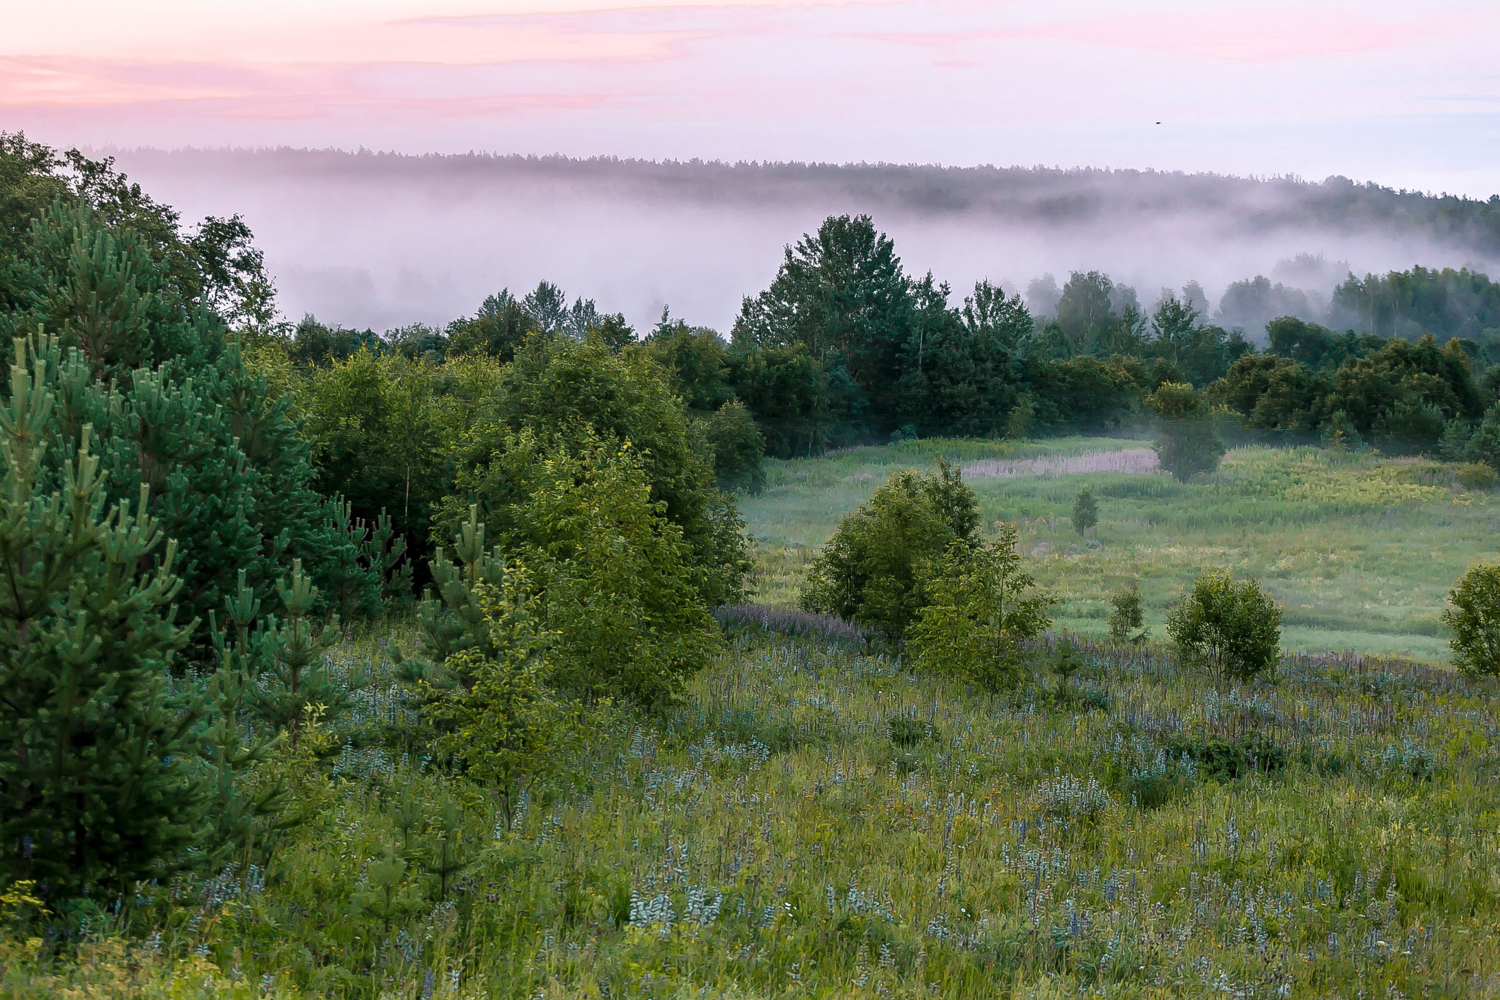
[[1231, 630], [620, 583], [501, 720], [1477, 476], [1227, 759], [1474, 619], [983, 605], [1409, 425], [1085, 510], [906, 731], [618, 586], [1187, 442], [738, 447], [560, 395], [875, 568], [1063, 664], [1127, 615], [1339, 432], [1454, 444]]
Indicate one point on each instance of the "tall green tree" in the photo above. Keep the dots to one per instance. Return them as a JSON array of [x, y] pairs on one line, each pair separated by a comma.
[[97, 787], [843, 294], [959, 378], [1085, 312]]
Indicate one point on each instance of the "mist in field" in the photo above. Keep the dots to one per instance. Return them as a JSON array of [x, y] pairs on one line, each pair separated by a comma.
[[381, 241]]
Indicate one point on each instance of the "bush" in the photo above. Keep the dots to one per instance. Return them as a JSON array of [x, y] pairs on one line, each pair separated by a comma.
[[1410, 425], [907, 731], [1227, 759], [580, 397], [1085, 510], [1127, 615], [1477, 476], [500, 718], [982, 606], [1187, 442], [875, 568], [1231, 630], [1339, 432], [618, 589], [738, 448], [1474, 619], [622, 590]]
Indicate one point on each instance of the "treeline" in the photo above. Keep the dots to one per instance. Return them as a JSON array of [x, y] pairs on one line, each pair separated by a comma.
[[1445, 303], [1029, 196], [846, 347]]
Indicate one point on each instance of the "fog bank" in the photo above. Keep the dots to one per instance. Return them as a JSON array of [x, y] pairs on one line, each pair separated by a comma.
[[381, 241]]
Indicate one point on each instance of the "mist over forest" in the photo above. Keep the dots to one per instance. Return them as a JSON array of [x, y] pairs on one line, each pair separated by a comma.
[[383, 240]]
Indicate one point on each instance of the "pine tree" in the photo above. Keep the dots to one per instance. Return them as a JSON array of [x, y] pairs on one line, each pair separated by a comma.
[[295, 676], [454, 620], [384, 552], [96, 784], [446, 853]]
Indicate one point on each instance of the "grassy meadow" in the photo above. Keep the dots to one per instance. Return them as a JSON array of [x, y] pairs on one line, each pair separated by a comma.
[[815, 821], [1361, 549]]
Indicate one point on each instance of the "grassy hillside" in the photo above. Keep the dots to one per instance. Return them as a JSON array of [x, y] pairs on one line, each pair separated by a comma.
[[817, 822], [1361, 549]]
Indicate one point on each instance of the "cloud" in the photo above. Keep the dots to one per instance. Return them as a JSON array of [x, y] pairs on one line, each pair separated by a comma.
[[1240, 86]]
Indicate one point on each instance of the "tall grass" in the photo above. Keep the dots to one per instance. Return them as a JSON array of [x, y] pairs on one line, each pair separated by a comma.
[[815, 821]]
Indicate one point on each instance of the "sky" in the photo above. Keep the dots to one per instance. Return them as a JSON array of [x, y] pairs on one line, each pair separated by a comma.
[[1400, 93]]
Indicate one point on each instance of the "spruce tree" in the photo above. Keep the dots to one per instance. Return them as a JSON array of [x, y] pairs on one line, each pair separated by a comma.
[[97, 788]]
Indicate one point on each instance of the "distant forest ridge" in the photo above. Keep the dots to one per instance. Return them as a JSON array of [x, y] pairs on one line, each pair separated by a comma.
[[1038, 195]]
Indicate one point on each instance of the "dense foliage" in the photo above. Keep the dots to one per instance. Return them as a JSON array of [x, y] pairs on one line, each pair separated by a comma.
[[1229, 629], [981, 607], [1474, 618], [90, 793], [876, 568], [188, 532], [1187, 442]]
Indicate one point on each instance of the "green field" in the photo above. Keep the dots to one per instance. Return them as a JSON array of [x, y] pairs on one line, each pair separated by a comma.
[[1360, 548], [816, 821]]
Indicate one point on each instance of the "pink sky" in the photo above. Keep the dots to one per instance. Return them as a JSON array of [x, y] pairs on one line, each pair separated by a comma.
[[1402, 93]]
